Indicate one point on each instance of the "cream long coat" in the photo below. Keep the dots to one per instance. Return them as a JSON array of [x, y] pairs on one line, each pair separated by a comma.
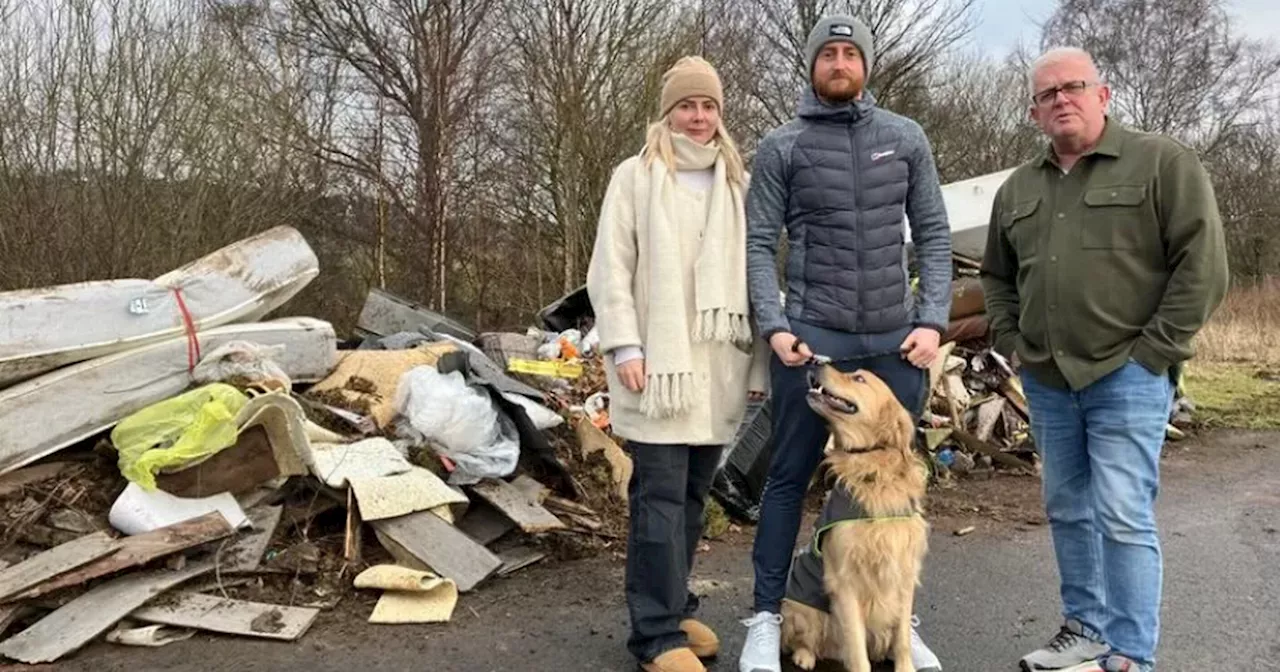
[[618, 287]]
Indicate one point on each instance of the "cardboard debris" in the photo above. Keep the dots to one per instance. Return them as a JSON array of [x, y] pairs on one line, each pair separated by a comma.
[[410, 595], [593, 440], [415, 490], [365, 381], [370, 458]]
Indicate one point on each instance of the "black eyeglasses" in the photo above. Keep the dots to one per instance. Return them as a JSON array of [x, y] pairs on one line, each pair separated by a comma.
[[1070, 88]]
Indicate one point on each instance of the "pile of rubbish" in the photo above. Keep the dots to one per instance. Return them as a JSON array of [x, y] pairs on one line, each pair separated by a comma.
[[169, 463]]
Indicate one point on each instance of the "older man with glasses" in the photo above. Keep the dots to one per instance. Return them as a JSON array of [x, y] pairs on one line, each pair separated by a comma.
[[1105, 256]]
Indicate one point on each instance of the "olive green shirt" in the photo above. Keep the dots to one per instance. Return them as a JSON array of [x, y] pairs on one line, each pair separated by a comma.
[[1123, 256]]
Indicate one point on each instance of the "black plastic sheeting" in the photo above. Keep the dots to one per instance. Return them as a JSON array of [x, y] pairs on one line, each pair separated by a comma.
[[740, 482]]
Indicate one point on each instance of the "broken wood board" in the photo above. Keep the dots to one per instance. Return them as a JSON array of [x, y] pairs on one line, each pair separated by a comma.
[[532, 489], [87, 617], [519, 557], [418, 489], [139, 550], [989, 413], [516, 505], [54, 562], [17, 480], [485, 524], [238, 469], [974, 444], [245, 555], [232, 617], [437, 546], [354, 538], [410, 595], [593, 440], [554, 503]]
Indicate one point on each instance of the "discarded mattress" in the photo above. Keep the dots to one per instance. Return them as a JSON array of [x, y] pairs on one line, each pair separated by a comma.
[[968, 204], [385, 314], [46, 328], [48, 413]]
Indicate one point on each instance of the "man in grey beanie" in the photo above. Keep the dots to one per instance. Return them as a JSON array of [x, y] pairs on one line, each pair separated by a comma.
[[840, 177]]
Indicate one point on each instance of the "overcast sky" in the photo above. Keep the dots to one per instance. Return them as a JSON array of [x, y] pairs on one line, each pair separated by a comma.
[[1003, 23]]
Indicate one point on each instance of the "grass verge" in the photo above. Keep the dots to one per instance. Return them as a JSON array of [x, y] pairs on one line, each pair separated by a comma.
[[1238, 395]]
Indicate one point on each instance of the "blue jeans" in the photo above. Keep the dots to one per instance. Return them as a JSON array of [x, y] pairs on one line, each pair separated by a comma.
[[1100, 451], [799, 436]]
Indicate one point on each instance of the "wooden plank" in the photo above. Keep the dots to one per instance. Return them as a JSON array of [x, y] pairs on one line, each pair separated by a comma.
[[141, 549], [17, 480], [238, 469], [974, 444], [232, 617], [355, 526], [517, 506], [245, 555], [87, 617], [42, 567], [443, 548], [554, 503], [517, 558], [485, 524], [532, 489]]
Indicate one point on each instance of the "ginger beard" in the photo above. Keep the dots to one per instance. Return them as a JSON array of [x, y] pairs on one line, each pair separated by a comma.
[[840, 86]]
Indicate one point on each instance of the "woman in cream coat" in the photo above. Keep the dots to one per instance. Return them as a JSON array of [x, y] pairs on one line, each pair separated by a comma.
[[668, 285]]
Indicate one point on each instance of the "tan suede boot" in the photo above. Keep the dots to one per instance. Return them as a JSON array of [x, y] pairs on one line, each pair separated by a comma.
[[675, 660], [703, 641]]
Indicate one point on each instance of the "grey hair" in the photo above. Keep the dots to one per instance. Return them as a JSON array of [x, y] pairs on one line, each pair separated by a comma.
[[1058, 55]]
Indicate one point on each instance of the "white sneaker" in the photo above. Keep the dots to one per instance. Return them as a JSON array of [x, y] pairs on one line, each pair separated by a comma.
[[762, 652], [922, 658]]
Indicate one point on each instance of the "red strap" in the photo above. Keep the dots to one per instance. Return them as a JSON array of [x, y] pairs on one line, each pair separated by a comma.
[[193, 341]]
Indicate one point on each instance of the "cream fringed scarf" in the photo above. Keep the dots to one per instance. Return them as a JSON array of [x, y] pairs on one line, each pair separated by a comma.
[[720, 274]]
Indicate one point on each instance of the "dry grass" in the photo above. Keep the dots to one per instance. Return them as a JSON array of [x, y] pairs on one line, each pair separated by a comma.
[[1232, 378], [1246, 328]]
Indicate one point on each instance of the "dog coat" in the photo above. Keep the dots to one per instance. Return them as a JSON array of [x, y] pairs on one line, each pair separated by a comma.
[[804, 580]]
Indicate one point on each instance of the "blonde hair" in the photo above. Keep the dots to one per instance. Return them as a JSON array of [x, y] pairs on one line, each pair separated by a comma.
[[657, 145]]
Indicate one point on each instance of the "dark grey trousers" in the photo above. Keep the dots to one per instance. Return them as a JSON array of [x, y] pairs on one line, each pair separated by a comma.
[[667, 493]]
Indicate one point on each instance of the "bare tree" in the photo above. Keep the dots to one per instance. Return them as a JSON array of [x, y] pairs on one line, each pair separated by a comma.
[[413, 68], [586, 79], [975, 111]]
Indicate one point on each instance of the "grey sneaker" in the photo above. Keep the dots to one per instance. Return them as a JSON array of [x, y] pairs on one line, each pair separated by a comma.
[[921, 657], [762, 652], [1069, 647]]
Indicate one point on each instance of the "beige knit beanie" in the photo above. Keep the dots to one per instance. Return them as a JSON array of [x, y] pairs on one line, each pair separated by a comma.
[[690, 76]]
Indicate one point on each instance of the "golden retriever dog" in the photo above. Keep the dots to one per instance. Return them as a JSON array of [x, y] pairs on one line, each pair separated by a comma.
[[872, 551]]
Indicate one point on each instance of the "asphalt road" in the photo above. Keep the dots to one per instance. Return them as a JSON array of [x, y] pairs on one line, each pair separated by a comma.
[[988, 597]]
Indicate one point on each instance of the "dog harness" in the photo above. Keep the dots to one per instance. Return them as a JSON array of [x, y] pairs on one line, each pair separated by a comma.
[[804, 581]]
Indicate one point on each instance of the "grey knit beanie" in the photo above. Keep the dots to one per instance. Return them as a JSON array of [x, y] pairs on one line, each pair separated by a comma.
[[841, 28]]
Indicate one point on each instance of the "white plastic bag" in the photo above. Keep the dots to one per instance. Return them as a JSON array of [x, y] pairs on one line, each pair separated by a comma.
[[462, 420], [542, 417]]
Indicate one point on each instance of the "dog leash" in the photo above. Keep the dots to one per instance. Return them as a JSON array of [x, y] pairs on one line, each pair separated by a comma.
[[822, 360]]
